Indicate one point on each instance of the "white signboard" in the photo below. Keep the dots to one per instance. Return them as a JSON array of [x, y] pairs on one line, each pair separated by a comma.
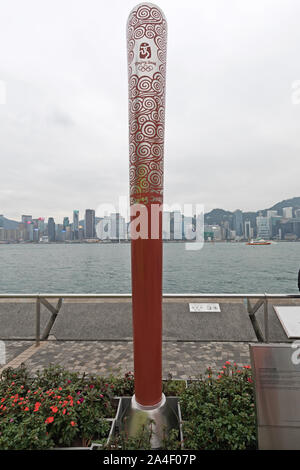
[[204, 307], [289, 318]]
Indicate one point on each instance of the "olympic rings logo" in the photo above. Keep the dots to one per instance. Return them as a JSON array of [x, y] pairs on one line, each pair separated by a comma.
[[145, 68]]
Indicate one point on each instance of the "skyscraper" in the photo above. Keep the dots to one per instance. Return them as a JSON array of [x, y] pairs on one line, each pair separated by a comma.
[[51, 230], [238, 223], [76, 224], [89, 223], [263, 227], [248, 231], [66, 222], [287, 212], [26, 219]]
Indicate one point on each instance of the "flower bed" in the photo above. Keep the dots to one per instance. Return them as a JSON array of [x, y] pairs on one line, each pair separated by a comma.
[[58, 409], [54, 409], [218, 411]]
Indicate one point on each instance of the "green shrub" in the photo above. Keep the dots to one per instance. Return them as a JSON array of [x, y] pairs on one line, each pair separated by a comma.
[[173, 388], [218, 411]]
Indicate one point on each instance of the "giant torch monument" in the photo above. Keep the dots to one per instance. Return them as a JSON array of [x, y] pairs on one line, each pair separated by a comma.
[[147, 45]]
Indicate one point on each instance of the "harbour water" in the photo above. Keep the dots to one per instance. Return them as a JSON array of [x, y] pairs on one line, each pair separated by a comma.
[[105, 268]]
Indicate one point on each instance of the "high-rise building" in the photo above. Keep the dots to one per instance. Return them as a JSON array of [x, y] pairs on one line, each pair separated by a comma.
[[176, 225], [112, 227], [104, 228], [51, 230], [263, 227], [66, 222], [41, 225], [238, 223], [248, 230], [60, 233], [76, 224], [287, 212], [166, 225], [26, 219], [272, 213], [89, 223]]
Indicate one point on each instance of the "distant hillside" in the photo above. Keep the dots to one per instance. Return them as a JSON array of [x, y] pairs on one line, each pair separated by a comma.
[[216, 216], [8, 224], [293, 202]]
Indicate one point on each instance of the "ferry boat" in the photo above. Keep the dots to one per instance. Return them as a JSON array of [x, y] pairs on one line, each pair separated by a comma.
[[258, 242]]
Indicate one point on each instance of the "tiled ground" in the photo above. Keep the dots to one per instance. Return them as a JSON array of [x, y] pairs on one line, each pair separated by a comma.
[[181, 359], [14, 348]]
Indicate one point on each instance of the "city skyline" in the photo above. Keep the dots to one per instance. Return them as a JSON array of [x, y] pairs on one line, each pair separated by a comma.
[[281, 222], [117, 210], [231, 124]]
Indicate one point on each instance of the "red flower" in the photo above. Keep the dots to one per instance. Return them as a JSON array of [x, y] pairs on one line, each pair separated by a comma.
[[91, 386], [64, 411], [26, 409], [73, 423], [54, 409], [249, 380], [37, 406], [49, 420]]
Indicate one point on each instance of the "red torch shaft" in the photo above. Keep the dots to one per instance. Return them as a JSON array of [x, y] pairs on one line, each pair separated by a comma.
[[146, 41], [147, 320]]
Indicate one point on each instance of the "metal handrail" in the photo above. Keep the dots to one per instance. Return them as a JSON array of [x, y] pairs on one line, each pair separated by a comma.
[[167, 295], [41, 298]]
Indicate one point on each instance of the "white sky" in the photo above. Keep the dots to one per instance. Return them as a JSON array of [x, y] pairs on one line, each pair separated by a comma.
[[232, 130]]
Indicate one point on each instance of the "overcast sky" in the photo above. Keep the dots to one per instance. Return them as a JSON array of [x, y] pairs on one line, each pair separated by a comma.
[[232, 130]]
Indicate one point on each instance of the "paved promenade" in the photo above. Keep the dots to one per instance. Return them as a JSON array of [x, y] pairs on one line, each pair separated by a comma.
[[95, 336], [183, 360]]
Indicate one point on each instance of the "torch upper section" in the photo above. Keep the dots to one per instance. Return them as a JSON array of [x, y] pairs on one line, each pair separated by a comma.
[[147, 47]]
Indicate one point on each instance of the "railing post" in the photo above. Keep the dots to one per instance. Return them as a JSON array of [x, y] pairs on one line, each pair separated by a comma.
[[37, 322], [266, 319]]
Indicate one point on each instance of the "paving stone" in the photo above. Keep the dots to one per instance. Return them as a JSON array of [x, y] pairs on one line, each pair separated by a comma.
[[183, 360]]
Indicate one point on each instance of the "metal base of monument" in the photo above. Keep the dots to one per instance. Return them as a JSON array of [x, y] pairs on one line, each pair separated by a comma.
[[162, 417]]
